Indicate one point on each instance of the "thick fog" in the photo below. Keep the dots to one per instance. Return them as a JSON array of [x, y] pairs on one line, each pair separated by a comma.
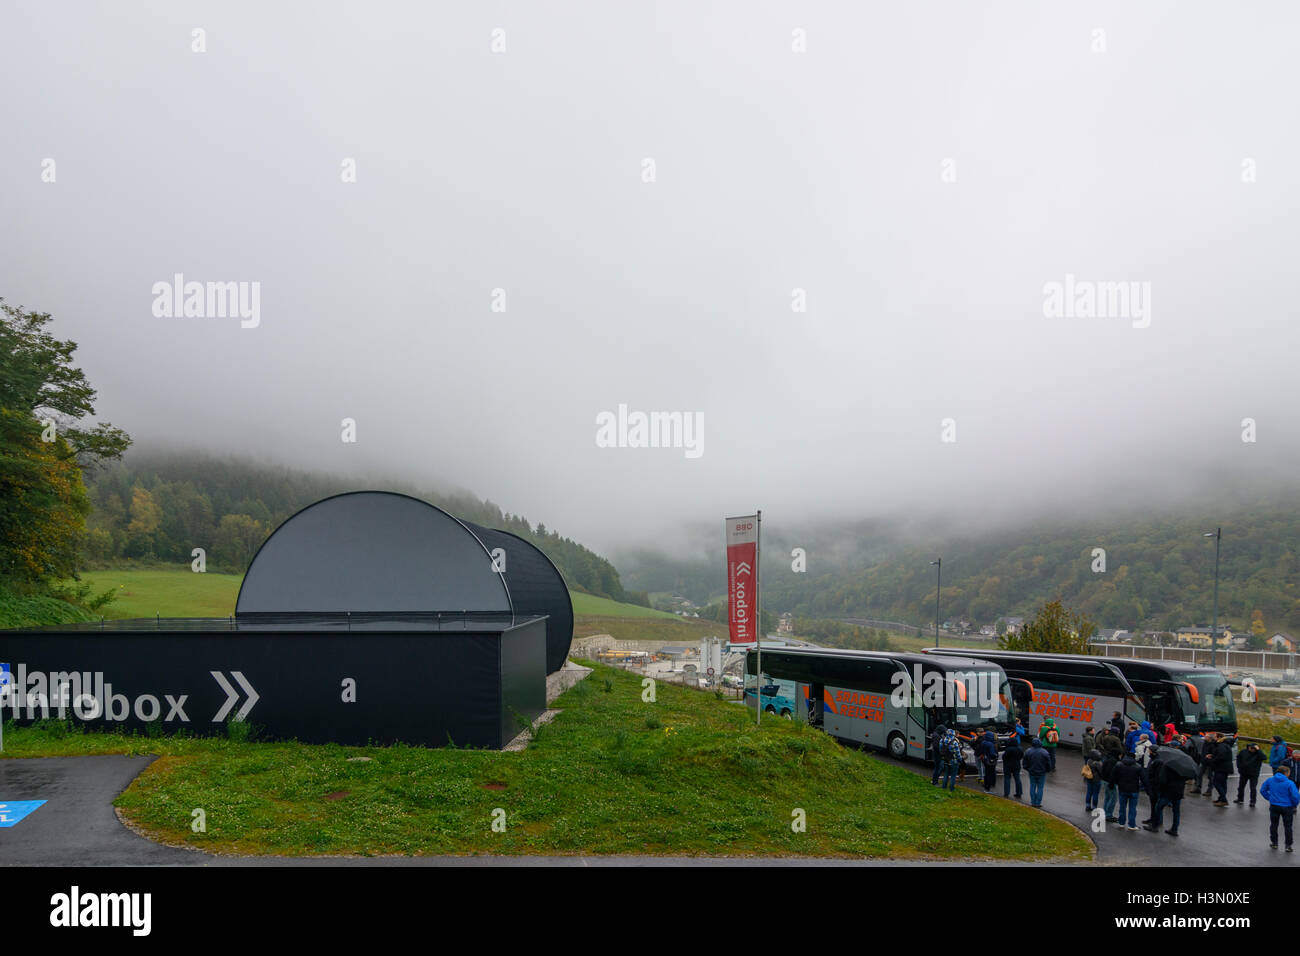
[[817, 231]]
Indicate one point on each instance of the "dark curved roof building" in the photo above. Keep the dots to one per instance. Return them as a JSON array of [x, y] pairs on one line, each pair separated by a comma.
[[367, 617], [371, 553]]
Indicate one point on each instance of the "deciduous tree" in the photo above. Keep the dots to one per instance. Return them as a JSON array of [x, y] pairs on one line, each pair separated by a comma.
[[1055, 629]]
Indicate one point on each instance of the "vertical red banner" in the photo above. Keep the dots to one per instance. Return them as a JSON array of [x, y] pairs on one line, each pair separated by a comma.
[[742, 578]]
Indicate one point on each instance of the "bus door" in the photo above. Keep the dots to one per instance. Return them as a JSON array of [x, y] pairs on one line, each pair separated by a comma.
[[1022, 693], [1161, 709], [810, 704], [1135, 709], [921, 722]]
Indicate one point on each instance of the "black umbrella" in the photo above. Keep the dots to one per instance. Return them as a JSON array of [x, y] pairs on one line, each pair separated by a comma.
[[1179, 763]]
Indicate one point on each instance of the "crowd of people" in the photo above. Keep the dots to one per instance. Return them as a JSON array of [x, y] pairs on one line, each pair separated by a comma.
[[1123, 764]]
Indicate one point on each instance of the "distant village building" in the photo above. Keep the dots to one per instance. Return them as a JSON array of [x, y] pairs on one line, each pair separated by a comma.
[[1015, 624], [1200, 636], [1282, 642], [1288, 711], [786, 624]]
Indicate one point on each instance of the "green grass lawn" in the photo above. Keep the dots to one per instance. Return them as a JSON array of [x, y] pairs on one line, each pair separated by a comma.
[[169, 592], [688, 774], [589, 604], [180, 592]]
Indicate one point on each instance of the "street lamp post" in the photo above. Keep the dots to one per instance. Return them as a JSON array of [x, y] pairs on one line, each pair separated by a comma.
[[938, 583], [1217, 535]]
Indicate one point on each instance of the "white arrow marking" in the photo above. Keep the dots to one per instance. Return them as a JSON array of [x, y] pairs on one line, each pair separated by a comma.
[[742, 566], [231, 696], [253, 696]]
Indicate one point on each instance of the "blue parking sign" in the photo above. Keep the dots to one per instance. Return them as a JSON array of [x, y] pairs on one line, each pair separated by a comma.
[[11, 811], [6, 684]]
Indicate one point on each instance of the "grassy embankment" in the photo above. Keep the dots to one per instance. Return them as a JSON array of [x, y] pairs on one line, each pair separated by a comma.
[[19, 611]]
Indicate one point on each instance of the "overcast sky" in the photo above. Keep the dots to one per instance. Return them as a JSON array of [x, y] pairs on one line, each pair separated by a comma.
[[921, 171]]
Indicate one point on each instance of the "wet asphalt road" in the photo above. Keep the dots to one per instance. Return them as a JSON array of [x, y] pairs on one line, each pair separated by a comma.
[[78, 827], [1207, 835]]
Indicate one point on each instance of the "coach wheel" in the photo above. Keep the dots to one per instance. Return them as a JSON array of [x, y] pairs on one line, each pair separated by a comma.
[[770, 709], [787, 715], [897, 746]]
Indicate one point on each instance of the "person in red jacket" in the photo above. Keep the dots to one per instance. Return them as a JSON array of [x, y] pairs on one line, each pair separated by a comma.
[[1169, 734]]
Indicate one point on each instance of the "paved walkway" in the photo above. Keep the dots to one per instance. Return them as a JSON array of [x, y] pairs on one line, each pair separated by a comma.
[[1207, 835], [77, 825]]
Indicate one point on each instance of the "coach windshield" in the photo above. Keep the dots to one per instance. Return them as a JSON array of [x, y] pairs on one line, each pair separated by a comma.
[[1213, 708]]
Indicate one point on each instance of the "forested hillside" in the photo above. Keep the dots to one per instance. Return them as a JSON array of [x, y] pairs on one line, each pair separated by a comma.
[[1159, 570], [160, 506]]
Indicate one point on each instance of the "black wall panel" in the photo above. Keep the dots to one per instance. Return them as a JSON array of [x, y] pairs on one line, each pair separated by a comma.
[[419, 688]]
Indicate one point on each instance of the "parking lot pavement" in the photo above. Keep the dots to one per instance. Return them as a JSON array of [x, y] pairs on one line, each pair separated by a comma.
[[76, 825], [1207, 835]]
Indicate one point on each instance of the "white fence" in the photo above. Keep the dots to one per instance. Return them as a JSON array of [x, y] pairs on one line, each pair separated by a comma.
[[1226, 660]]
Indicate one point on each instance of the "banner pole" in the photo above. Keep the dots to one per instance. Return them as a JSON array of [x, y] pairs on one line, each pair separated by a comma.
[[758, 615]]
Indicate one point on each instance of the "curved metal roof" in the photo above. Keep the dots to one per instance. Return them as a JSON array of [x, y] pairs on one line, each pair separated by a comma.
[[372, 551], [382, 553]]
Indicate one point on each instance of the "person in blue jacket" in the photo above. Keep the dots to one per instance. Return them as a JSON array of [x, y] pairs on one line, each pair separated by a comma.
[[1283, 797], [1277, 753], [1132, 737]]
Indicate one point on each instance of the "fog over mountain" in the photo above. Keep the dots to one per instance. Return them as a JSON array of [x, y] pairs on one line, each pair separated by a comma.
[[914, 177]]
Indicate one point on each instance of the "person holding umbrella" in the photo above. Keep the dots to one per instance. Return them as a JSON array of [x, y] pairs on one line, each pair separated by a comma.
[[1173, 768]]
